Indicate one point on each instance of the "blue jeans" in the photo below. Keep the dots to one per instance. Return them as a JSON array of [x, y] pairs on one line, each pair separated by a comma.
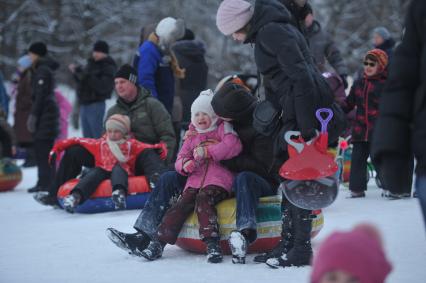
[[92, 119], [248, 188], [168, 187], [421, 193]]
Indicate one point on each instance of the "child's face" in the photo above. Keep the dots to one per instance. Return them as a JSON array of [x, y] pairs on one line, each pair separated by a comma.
[[370, 68], [114, 134], [338, 276], [202, 121]]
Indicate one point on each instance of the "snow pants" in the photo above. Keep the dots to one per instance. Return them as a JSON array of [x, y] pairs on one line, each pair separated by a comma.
[[44, 171], [90, 182], [204, 201], [168, 188], [248, 188], [358, 174]]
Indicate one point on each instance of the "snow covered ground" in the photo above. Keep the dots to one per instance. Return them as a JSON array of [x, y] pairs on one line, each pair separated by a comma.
[[41, 244]]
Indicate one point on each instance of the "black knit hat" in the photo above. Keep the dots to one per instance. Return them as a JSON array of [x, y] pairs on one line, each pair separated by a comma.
[[38, 48], [127, 72], [233, 101], [101, 46]]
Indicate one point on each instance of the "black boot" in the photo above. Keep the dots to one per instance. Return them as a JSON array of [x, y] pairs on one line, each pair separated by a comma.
[[214, 252], [286, 242], [301, 253], [154, 250], [46, 198], [134, 243]]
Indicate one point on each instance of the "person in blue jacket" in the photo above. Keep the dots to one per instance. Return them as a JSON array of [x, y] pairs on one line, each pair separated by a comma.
[[158, 67]]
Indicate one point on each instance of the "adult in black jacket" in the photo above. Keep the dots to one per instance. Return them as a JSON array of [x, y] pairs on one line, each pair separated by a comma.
[[43, 121], [294, 86], [95, 85], [400, 128]]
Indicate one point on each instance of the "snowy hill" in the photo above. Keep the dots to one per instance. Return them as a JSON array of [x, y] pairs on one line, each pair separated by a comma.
[[41, 244]]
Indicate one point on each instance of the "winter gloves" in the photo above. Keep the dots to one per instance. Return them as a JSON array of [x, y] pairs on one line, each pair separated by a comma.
[[200, 153], [189, 166]]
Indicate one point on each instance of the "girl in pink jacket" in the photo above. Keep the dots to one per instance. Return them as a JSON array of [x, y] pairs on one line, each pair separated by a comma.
[[208, 181]]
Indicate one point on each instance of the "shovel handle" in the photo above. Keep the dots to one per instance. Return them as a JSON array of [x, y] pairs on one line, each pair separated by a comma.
[[324, 122], [298, 146]]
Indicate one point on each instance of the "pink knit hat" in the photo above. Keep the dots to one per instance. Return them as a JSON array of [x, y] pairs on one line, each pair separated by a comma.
[[119, 122], [233, 15], [358, 252]]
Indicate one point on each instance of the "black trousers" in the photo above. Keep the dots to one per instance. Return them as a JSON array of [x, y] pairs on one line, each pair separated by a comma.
[[148, 163], [91, 180], [358, 175], [42, 149]]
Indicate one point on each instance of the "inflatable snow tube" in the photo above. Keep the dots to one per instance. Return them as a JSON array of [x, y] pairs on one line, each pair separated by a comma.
[[100, 201], [10, 175], [268, 226]]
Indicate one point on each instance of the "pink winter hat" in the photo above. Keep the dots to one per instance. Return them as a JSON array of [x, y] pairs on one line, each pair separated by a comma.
[[233, 15], [358, 252]]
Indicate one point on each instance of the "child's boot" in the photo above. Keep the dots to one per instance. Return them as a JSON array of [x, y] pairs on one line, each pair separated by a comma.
[[119, 198], [71, 201], [214, 253]]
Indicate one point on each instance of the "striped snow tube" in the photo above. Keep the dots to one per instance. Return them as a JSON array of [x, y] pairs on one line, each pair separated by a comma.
[[10, 175], [100, 201], [268, 226]]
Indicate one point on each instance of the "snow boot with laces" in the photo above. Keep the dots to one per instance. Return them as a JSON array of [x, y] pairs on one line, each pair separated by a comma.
[[118, 197], [71, 201]]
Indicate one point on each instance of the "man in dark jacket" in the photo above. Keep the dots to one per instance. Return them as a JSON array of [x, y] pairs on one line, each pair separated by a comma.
[[254, 179], [43, 121], [400, 128], [323, 47], [95, 85], [292, 84], [150, 123]]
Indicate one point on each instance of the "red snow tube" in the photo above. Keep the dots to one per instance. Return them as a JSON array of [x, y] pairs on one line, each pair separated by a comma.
[[10, 175], [100, 201], [268, 218]]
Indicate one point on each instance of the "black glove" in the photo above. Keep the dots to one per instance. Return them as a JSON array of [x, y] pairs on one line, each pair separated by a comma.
[[31, 123], [344, 80]]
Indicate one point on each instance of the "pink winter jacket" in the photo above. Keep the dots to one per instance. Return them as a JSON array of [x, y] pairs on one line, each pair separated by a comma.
[[222, 144]]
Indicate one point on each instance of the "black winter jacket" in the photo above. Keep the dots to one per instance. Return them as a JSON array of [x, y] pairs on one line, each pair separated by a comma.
[[44, 106], [292, 81], [190, 55], [96, 80], [257, 155], [401, 128]]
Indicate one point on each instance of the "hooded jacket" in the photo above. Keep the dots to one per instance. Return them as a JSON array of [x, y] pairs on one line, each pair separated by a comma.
[[150, 122], [221, 143], [44, 107], [291, 79]]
